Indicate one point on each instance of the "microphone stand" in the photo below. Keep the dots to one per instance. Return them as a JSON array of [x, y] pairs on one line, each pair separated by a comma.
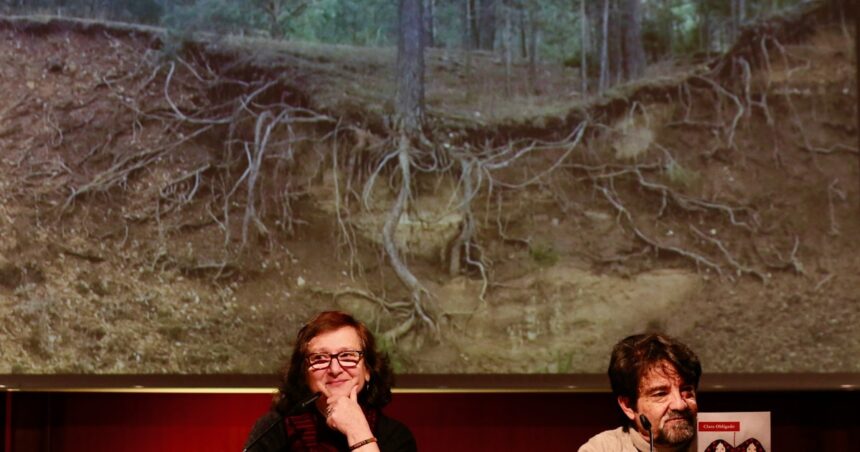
[[646, 424], [301, 406]]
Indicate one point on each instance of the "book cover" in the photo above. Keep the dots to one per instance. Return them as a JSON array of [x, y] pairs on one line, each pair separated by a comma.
[[734, 432]]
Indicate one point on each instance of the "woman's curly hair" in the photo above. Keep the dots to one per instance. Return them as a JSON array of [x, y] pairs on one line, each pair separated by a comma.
[[293, 388]]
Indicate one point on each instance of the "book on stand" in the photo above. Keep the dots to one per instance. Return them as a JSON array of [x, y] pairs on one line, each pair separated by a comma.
[[733, 432]]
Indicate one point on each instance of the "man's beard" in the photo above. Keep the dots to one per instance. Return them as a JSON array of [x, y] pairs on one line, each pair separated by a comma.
[[679, 431]]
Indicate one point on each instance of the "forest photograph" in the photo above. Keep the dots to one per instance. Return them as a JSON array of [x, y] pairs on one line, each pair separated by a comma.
[[492, 186]]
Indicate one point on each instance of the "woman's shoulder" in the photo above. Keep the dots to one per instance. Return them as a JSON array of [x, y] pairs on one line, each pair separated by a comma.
[[394, 436]]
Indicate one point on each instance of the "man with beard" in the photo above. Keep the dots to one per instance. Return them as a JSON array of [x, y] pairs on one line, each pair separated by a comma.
[[654, 379]]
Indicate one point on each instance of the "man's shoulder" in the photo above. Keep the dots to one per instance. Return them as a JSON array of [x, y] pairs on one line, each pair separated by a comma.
[[616, 440]]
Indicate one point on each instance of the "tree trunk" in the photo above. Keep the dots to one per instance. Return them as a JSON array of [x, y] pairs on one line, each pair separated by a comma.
[[273, 9], [487, 24], [509, 47], [705, 37], [430, 23], [667, 20], [474, 34], [585, 47], [467, 47], [409, 106], [409, 113], [857, 66], [534, 37], [733, 20], [603, 83], [634, 53], [616, 45], [522, 22]]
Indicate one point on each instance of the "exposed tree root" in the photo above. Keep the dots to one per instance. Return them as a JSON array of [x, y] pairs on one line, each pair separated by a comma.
[[417, 291]]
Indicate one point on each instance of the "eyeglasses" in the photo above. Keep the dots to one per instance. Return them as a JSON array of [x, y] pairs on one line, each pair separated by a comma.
[[347, 359]]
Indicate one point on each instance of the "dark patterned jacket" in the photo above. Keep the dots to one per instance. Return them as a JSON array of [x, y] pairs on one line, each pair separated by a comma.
[[391, 435]]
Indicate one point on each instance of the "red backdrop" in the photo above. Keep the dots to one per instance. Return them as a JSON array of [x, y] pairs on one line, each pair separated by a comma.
[[450, 422]]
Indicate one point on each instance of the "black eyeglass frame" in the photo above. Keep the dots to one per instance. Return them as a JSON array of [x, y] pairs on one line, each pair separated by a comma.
[[332, 357]]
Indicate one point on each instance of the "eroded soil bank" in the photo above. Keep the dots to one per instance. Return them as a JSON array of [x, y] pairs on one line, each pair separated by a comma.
[[725, 214]]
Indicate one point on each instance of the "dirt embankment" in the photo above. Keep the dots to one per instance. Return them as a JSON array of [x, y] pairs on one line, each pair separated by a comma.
[[146, 227]]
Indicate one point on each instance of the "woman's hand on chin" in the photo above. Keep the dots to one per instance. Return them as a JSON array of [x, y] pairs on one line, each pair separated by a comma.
[[344, 414]]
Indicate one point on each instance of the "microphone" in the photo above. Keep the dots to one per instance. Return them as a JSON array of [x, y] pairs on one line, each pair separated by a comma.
[[278, 419], [304, 404], [646, 424]]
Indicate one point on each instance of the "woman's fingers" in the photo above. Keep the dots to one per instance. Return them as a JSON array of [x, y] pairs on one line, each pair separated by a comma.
[[344, 413]]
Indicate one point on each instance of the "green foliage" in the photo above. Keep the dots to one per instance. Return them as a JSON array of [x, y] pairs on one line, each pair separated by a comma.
[[385, 345], [591, 60], [680, 176], [560, 363], [658, 30], [544, 254], [449, 24], [369, 22], [172, 44], [217, 16], [560, 30], [670, 28], [145, 11]]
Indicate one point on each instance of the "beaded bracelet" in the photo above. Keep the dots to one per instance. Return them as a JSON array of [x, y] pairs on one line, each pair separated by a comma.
[[362, 443]]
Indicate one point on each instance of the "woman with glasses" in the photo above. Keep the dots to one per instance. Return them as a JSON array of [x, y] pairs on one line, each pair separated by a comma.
[[331, 394]]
